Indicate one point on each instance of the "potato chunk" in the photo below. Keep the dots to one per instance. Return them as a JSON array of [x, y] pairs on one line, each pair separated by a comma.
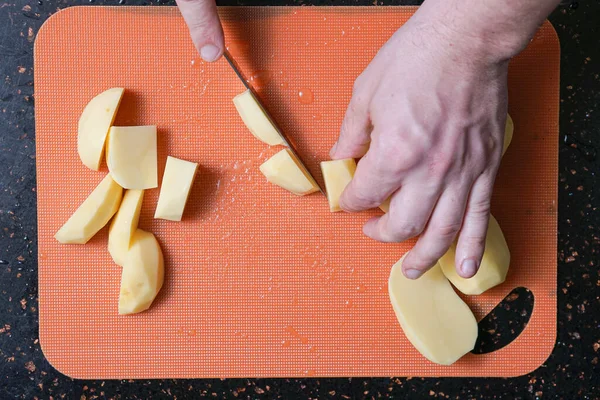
[[509, 129], [337, 175], [284, 170], [175, 189], [131, 156]]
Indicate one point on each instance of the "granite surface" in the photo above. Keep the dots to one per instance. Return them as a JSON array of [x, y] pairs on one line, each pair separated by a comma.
[[571, 372]]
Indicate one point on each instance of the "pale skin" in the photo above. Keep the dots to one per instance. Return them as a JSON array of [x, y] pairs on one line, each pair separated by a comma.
[[426, 119]]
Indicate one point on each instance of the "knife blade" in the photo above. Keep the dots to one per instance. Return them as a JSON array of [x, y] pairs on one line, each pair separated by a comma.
[[287, 142]]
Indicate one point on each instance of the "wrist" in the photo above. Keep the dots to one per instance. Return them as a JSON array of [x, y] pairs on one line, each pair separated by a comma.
[[485, 32]]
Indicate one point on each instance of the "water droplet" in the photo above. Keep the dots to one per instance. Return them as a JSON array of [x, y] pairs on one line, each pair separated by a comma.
[[260, 79], [238, 47], [285, 343]]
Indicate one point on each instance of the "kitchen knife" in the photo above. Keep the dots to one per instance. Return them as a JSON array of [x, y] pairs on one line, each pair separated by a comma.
[[287, 142]]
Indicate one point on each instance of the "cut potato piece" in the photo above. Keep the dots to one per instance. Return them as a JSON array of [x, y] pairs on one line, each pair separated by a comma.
[[493, 268], [131, 156], [385, 206], [509, 129], [284, 170], [124, 225], [337, 175], [256, 120], [433, 317], [92, 214], [142, 275], [94, 123], [175, 189]]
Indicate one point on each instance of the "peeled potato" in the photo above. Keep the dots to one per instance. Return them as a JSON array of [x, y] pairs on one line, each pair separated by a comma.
[[92, 214], [94, 123], [131, 156], [493, 268], [284, 170], [433, 317], [256, 120], [175, 189], [124, 225], [509, 129], [337, 175], [142, 274]]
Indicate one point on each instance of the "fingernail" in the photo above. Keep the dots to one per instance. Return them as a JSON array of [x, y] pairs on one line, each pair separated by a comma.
[[332, 151], [412, 273], [209, 52], [468, 268]]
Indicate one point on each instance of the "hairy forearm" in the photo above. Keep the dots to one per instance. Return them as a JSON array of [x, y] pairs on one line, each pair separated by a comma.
[[498, 29]]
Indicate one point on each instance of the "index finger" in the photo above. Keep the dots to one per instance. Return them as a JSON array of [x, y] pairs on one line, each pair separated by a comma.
[[372, 184]]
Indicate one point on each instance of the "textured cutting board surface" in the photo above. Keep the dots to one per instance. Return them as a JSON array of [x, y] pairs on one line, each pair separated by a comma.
[[260, 282]]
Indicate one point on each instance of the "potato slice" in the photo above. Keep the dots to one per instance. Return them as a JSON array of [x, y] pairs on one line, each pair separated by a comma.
[[124, 225], [256, 120], [94, 123], [493, 268], [337, 175], [509, 129], [284, 170], [175, 189], [142, 274], [131, 156], [433, 317], [92, 214]]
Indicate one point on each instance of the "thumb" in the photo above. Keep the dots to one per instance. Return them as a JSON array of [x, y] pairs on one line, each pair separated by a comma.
[[205, 28], [355, 134]]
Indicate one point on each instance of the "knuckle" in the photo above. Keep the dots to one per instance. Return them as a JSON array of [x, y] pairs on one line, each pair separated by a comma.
[[358, 84], [421, 261], [447, 231], [359, 199], [440, 164], [395, 155], [472, 242], [480, 209], [399, 231]]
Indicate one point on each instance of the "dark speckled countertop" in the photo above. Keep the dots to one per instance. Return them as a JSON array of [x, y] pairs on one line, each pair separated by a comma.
[[571, 372]]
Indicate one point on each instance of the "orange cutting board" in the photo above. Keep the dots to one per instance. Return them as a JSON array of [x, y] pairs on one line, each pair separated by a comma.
[[260, 282]]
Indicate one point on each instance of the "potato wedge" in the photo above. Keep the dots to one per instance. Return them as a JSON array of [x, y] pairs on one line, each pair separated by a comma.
[[94, 123], [256, 120], [92, 214], [124, 225], [142, 274]]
